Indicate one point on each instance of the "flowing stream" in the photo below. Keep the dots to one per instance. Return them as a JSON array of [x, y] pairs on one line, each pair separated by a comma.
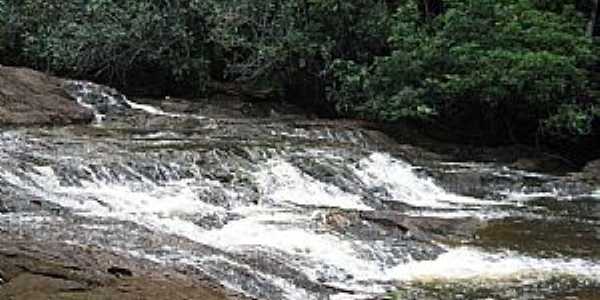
[[279, 206]]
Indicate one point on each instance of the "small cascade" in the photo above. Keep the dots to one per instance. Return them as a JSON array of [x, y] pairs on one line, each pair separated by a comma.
[[281, 182], [466, 263], [100, 99], [273, 210], [106, 101], [397, 180]]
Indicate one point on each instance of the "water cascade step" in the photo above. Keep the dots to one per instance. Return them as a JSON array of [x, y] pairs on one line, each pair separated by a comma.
[[276, 210]]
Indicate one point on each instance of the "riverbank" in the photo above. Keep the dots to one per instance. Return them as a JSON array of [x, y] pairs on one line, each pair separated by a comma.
[[31, 98]]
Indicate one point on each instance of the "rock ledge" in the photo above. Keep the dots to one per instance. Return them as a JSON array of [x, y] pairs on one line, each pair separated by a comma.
[[29, 98]]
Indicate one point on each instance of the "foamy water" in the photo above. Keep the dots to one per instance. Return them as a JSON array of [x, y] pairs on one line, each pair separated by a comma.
[[287, 220], [111, 98], [471, 263], [380, 170], [281, 182], [159, 112]]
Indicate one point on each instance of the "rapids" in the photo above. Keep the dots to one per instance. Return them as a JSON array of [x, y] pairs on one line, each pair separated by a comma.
[[279, 206]]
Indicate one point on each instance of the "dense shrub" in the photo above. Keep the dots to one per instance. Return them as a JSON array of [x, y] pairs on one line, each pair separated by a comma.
[[513, 68], [116, 41], [4, 30], [503, 67], [3, 15], [274, 43], [290, 44]]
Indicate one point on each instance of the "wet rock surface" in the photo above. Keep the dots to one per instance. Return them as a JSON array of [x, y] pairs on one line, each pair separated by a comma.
[[380, 225], [274, 204], [591, 171], [29, 97], [560, 288], [545, 238], [43, 270]]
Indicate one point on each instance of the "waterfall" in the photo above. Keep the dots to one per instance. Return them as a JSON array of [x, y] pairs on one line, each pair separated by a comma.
[[274, 211]]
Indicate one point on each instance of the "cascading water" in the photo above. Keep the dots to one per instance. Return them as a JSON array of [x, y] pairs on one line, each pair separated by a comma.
[[267, 207]]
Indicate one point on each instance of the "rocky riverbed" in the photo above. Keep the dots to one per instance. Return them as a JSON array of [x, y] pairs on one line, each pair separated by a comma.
[[204, 199]]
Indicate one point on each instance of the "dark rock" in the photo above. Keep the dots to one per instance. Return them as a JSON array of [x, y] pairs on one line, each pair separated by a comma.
[[29, 98], [592, 170], [3, 208], [403, 234], [11, 202], [381, 224], [545, 164], [120, 272], [223, 176]]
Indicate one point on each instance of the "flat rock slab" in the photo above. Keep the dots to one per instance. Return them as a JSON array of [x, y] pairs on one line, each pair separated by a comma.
[[43, 270], [28, 97]]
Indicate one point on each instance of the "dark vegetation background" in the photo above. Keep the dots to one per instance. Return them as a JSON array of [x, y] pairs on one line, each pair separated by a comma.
[[488, 72]]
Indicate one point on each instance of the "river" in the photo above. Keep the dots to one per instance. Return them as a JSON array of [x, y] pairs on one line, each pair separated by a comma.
[[277, 205]]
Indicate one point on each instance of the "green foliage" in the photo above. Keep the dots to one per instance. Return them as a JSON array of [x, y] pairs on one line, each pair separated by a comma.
[[3, 21], [114, 40], [295, 41], [193, 41], [516, 63], [518, 66], [572, 120]]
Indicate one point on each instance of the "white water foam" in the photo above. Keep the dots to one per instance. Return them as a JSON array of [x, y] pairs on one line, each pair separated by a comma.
[[159, 112], [380, 170], [314, 250], [272, 225], [87, 88], [279, 222], [281, 182], [522, 196], [28, 217], [466, 263], [142, 202], [461, 214]]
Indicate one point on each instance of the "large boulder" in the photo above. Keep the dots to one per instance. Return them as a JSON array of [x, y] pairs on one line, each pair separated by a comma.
[[591, 170], [28, 97], [45, 269]]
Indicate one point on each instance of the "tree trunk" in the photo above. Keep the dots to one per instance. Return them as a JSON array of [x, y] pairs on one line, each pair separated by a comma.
[[594, 23], [430, 8]]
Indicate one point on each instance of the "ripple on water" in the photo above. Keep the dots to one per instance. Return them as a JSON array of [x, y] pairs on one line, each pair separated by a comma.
[[268, 208]]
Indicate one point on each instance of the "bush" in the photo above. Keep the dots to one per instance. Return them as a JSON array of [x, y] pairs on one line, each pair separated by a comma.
[[291, 43], [279, 44], [114, 41], [3, 21], [5, 32], [503, 67]]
